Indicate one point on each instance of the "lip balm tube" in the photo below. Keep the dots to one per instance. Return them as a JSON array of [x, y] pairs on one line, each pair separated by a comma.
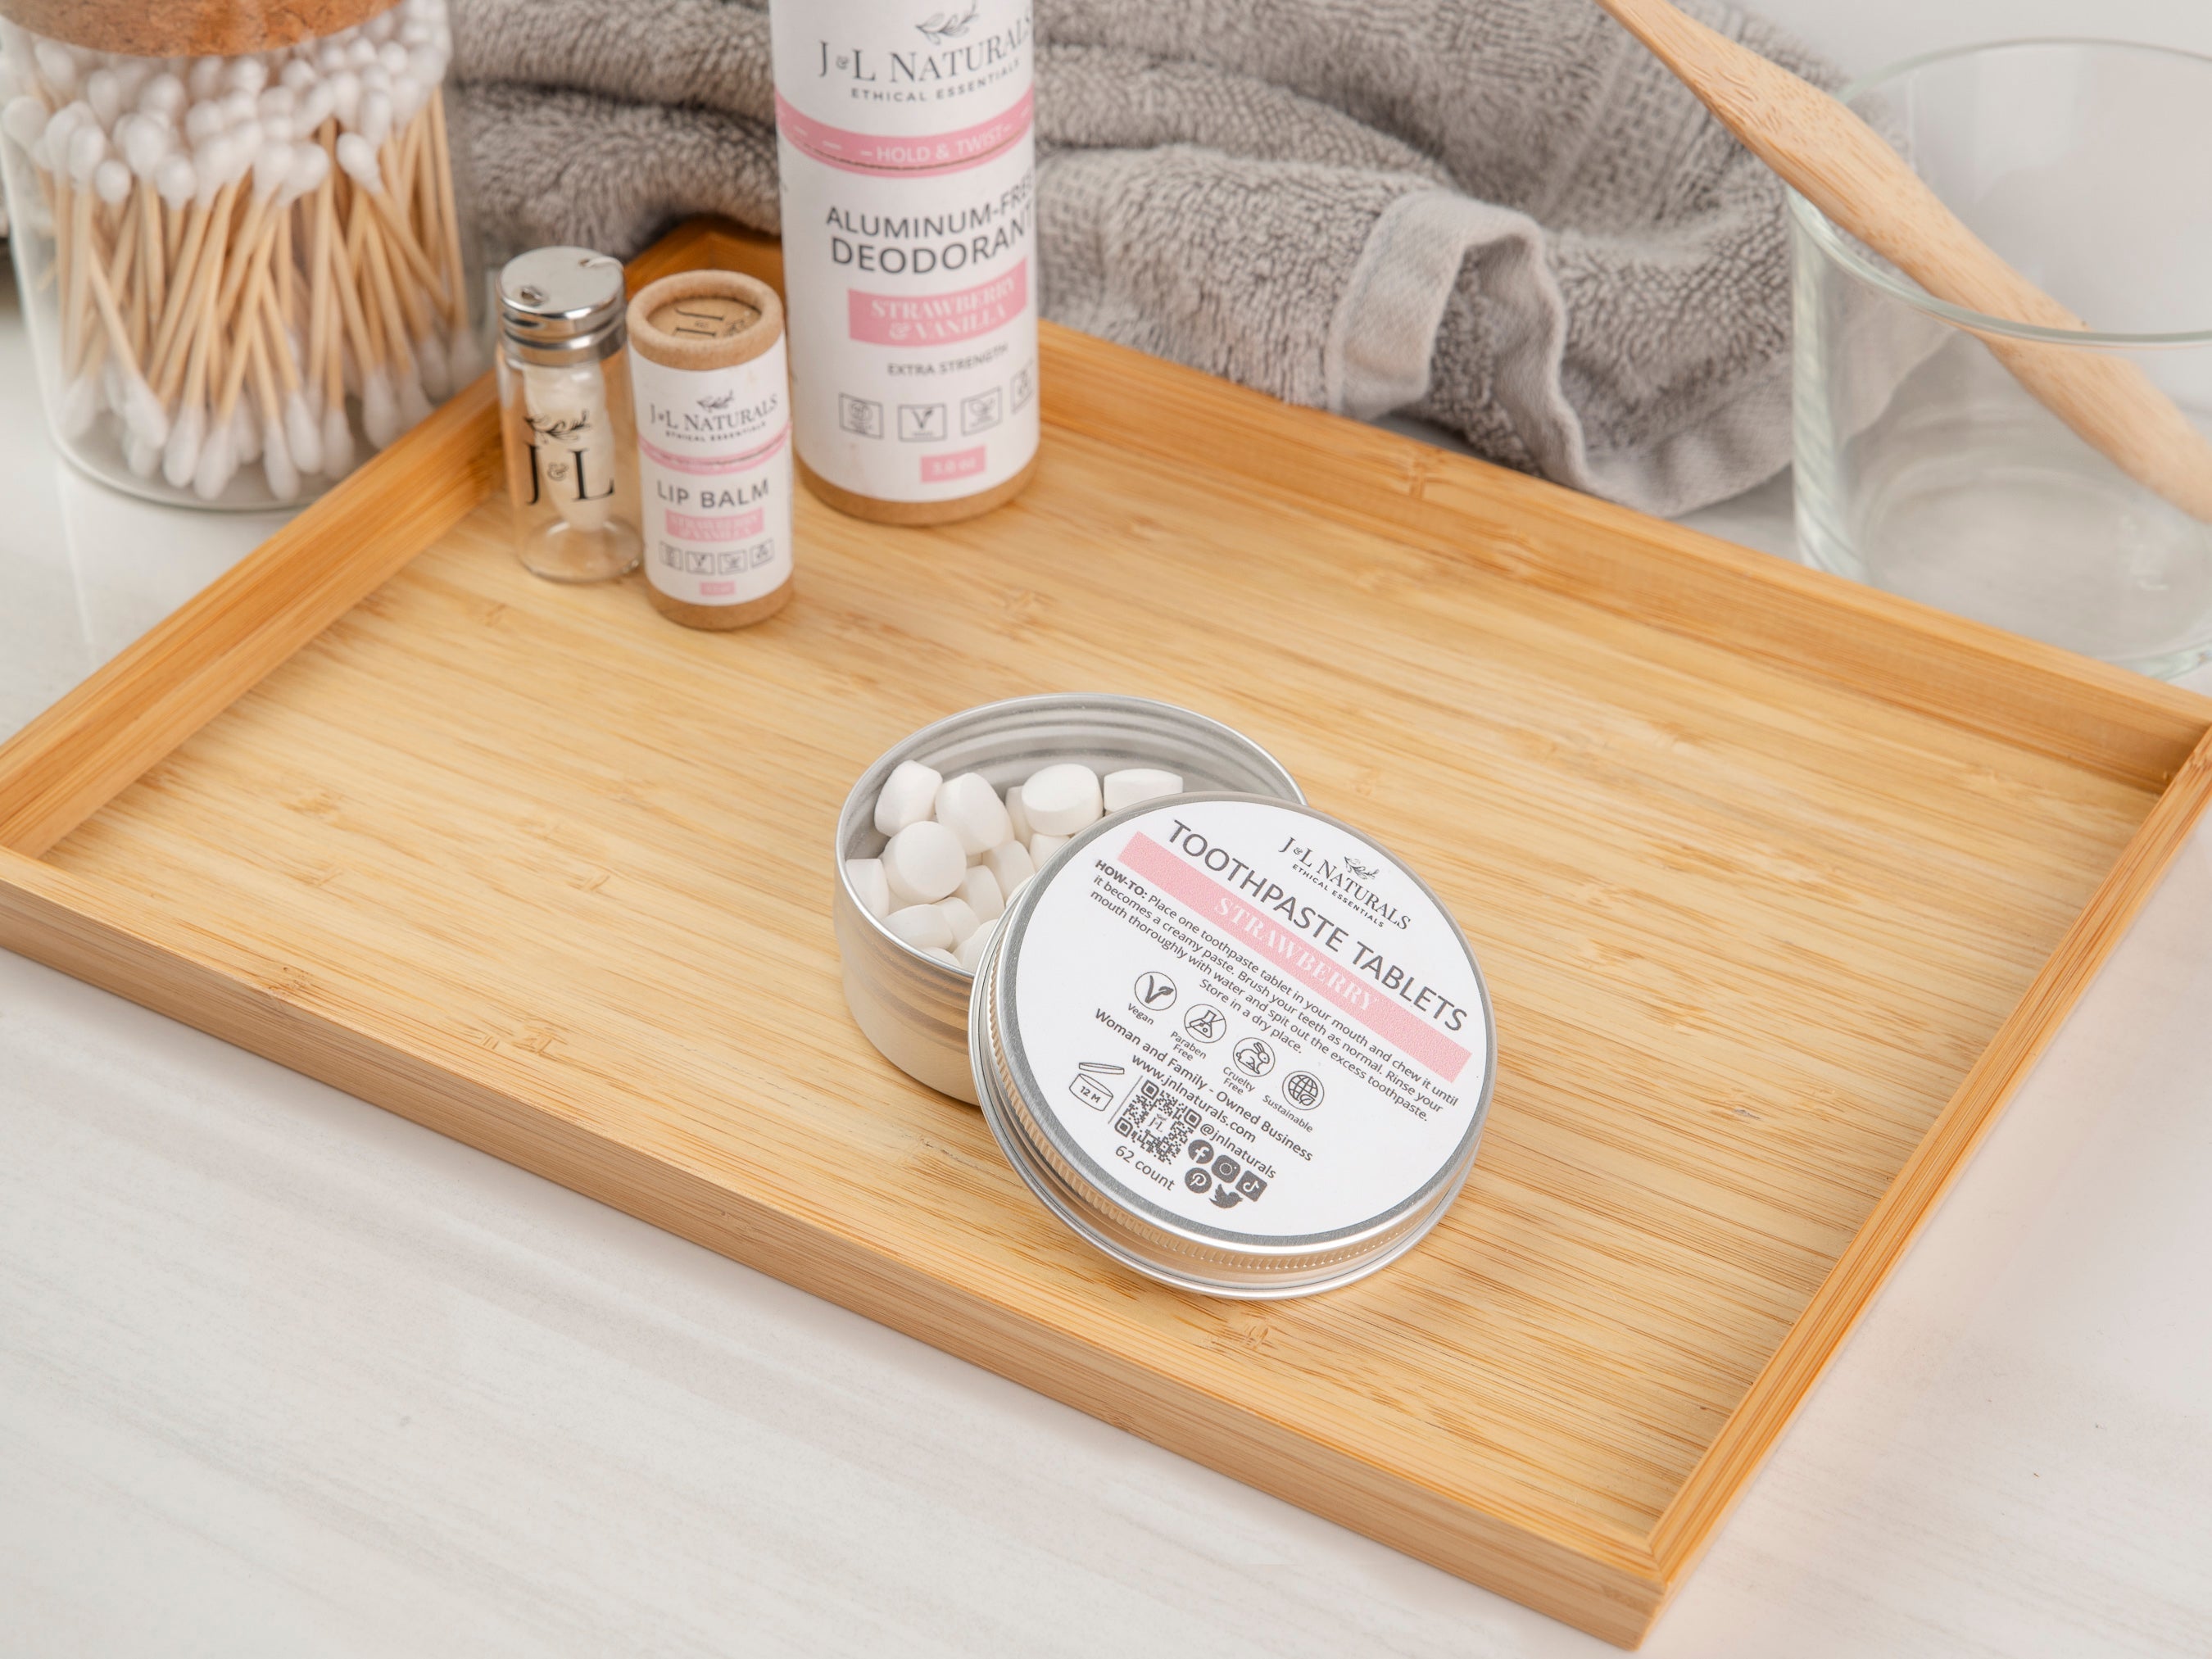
[[713, 447]]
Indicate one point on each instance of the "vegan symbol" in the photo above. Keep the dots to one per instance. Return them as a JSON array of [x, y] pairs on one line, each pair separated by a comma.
[[1155, 990]]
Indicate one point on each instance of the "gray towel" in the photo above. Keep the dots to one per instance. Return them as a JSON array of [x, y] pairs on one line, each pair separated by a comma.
[[1502, 215]]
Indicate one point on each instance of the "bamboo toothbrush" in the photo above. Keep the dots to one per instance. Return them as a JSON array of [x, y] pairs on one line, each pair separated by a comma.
[[1845, 168]]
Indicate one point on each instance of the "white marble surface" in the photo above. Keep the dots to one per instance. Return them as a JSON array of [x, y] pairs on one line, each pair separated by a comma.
[[281, 1373]]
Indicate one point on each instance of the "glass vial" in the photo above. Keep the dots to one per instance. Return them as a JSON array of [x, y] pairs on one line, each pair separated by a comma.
[[565, 415]]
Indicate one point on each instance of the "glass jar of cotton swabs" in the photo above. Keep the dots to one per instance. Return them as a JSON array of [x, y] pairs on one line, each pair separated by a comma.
[[238, 241]]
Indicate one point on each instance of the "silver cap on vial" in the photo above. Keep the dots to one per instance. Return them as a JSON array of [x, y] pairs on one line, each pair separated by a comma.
[[563, 305]]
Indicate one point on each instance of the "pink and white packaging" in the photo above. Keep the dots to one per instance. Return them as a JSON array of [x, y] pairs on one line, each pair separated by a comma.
[[906, 147]]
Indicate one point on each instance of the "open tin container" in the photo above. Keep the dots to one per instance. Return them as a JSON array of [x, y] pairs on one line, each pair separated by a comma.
[[915, 1010], [1232, 1042]]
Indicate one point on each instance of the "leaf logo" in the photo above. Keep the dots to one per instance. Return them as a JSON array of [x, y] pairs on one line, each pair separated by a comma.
[[559, 429], [1365, 872], [722, 402], [942, 26]]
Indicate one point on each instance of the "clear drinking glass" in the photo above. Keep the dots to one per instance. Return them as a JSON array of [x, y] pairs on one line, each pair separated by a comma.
[[1923, 466]]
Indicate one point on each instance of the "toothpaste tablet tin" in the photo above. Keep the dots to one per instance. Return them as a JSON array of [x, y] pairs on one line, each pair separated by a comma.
[[1236, 1044]]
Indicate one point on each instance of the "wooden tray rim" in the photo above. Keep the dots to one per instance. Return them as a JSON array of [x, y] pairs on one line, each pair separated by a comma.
[[72, 760]]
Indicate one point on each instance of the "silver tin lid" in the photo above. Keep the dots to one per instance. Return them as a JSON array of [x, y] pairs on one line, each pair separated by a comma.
[[1235, 1044], [562, 303]]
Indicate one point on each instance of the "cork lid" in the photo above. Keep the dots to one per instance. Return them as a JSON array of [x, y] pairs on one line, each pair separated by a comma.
[[700, 320], [188, 28]]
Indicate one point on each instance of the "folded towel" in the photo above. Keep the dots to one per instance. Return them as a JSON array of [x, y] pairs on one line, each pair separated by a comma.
[[1502, 215]]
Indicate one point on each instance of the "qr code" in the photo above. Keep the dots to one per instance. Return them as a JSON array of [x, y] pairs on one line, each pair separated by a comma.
[[1155, 1121]]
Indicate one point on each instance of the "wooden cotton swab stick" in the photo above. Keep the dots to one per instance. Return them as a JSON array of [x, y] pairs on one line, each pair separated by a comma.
[[178, 182], [317, 239], [203, 258], [422, 193], [361, 166], [148, 291], [218, 459], [301, 437], [189, 434], [124, 242], [125, 274], [141, 411], [277, 463], [336, 447], [466, 360], [415, 318], [406, 377], [287, 269], [76, 295], [380, 409], [258, 233]]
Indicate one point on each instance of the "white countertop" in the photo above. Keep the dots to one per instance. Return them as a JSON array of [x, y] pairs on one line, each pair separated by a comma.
[[282, 1374]]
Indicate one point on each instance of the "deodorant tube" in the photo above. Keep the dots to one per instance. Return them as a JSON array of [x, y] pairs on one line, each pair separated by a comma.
[[906, 149]]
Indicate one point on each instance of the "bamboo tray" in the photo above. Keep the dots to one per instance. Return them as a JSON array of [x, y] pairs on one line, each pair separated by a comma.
[[1780, 885]]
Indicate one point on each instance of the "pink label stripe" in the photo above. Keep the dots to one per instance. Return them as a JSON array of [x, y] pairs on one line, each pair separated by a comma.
[[1296, 955], [714, 465], [724, 527], [926, 319], [914, 155]]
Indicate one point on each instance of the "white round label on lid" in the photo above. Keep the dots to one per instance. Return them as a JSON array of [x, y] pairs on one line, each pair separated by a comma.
[[1249, 1017]]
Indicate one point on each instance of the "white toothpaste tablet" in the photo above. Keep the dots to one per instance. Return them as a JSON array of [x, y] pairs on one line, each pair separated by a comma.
[[1135, 785], [972, 948], [960, 916], [1018, 816], [971, 808], [924, 862], [1012, 865], [980, 889], [923, 925], [870, 885], [1061, 799], [937, 953], [1042, 846], [908, 796]]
